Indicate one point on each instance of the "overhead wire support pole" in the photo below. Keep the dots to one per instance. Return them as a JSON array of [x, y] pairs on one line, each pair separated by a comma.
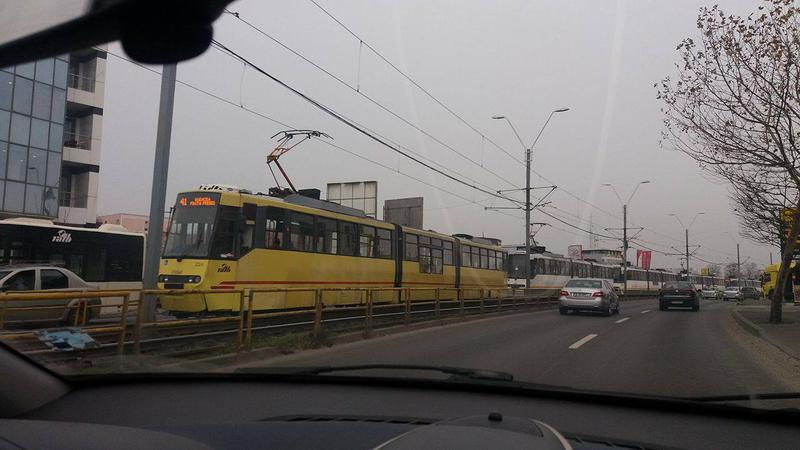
[[528, 208], [625, 227], [158, 192]]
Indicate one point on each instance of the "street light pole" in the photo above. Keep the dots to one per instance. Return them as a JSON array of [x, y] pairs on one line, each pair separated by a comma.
[[528, 208]]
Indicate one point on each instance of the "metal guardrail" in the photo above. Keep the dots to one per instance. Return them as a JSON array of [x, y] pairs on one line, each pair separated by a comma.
[[129, 331], [81, 304]]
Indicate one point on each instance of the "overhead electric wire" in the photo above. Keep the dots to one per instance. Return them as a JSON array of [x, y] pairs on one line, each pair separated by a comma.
[[355, 127], [492, 194], [370, 99], [331, 144], [416, 84]]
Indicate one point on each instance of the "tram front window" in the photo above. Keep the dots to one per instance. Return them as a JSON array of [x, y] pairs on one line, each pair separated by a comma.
[[191, 232], [516, 266]]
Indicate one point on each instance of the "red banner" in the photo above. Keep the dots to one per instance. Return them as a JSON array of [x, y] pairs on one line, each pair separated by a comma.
[[638, 255], [646, 255]]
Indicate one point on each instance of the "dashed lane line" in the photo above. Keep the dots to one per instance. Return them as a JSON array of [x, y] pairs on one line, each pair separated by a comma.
[[582, 341], [645, 311], [622, 320]]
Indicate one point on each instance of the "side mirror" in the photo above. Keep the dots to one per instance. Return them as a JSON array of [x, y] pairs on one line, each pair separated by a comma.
[[4, 288]]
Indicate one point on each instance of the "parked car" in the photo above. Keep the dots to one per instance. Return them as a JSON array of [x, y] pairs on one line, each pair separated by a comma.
[[43, 278], [588, 294], [678, 293]]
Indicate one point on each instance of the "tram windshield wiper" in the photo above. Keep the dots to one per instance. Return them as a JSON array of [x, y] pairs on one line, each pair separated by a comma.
[[458, 372]]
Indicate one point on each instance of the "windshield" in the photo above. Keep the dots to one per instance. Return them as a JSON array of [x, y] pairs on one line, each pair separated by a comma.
[[191, 230], [4, 273], [366, 168], [591, 284]]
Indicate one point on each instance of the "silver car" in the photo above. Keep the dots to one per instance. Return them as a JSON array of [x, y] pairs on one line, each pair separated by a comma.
[[588, 294], [732, 293], [710, 292], [16, 279]]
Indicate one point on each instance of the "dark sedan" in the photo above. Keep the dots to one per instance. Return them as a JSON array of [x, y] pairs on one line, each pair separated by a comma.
[[678, 294]]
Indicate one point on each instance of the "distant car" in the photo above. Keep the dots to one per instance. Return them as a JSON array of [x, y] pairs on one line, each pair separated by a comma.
[[43, 278], [711, 292], [678, 293], [588, 294], [750, 293], [732, 293]]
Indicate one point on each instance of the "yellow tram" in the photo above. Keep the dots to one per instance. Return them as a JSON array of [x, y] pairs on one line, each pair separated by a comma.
[[223, 238]]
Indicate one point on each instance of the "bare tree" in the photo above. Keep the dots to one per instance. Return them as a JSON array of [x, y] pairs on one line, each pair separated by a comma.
[[730, 270], [750, 271], [733, 108]]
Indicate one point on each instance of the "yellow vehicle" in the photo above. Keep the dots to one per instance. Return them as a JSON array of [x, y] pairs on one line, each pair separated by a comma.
[[224, 238], [769, 279]]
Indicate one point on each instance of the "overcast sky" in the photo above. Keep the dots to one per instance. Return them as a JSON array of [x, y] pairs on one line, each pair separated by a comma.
[[517, 58]]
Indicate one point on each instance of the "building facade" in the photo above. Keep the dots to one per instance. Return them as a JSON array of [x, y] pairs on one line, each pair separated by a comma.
[[32, 105], [51, 120]]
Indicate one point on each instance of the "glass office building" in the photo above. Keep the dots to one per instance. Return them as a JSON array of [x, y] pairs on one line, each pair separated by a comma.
[[33, 100]]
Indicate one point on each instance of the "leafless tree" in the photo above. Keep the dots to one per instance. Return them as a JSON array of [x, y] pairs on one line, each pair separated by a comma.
[[733, 107]]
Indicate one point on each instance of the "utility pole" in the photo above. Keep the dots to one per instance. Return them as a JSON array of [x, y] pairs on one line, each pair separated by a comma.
[[159, 190], [528, 218], [528, 208], [686, 232], [625, 227], [625, 247], [687, 252], [738, 264]]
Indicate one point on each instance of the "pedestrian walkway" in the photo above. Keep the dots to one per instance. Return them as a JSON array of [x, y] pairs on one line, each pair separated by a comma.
[[754, 317]]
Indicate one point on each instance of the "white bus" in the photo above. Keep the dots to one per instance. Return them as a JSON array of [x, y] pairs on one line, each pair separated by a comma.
[[109, 257]]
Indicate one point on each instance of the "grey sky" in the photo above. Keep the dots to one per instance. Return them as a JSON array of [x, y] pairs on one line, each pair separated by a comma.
[[521, 59]]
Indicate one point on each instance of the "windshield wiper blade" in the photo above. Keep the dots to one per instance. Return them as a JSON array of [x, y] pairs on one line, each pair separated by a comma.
[[745, 397], [473, 374]]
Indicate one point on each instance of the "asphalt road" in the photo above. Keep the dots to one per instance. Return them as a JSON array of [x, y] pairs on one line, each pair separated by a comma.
[[642, 350]]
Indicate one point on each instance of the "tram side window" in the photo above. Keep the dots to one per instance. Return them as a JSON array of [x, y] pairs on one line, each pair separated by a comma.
[[384, 243], [448, 253], [301, 232], [347, 238], [367, 241], [484, 258], [425, 260], [247, 240], [436, 260], [326, 236], [224, 243], [476, 257], [275, 228], [411, 247], [465, 256]]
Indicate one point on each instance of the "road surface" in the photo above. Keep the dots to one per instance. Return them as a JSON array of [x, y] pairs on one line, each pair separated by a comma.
[[642, 350]]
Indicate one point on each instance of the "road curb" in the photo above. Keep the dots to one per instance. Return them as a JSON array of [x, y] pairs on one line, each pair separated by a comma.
[[759, 332]]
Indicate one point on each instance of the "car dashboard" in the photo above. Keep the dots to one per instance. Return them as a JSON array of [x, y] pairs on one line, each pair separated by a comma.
[[334, 413]]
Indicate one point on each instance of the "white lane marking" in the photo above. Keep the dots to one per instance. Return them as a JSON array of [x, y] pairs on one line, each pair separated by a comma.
[[622, 320], [582, 341], [645, 311]]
